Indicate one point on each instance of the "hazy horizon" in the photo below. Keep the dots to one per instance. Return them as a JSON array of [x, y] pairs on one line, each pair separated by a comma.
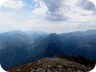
[[26, 31]]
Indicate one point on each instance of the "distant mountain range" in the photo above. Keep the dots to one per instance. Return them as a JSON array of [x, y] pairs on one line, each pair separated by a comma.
[[18, 48]]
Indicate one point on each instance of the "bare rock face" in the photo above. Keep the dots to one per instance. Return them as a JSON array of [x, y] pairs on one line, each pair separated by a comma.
[[53, 64]]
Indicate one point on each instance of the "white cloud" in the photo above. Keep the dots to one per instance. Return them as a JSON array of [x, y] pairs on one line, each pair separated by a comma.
[[6, 23], [94, 1], [76, 13], [71, 10], [13, 4], [77, 17], [40, 10], [3, 18], [43, 25], [2, 1]]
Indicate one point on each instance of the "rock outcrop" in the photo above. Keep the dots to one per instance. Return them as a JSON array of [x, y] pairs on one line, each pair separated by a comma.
[[54, 64]]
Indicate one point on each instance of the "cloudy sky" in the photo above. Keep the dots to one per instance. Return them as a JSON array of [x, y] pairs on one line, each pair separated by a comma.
[[58, 16]]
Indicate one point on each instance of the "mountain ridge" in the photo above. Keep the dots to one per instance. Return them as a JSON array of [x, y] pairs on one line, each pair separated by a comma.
[[21, 48]]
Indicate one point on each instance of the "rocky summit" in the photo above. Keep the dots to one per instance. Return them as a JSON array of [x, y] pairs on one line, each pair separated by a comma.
[[54, 64]]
